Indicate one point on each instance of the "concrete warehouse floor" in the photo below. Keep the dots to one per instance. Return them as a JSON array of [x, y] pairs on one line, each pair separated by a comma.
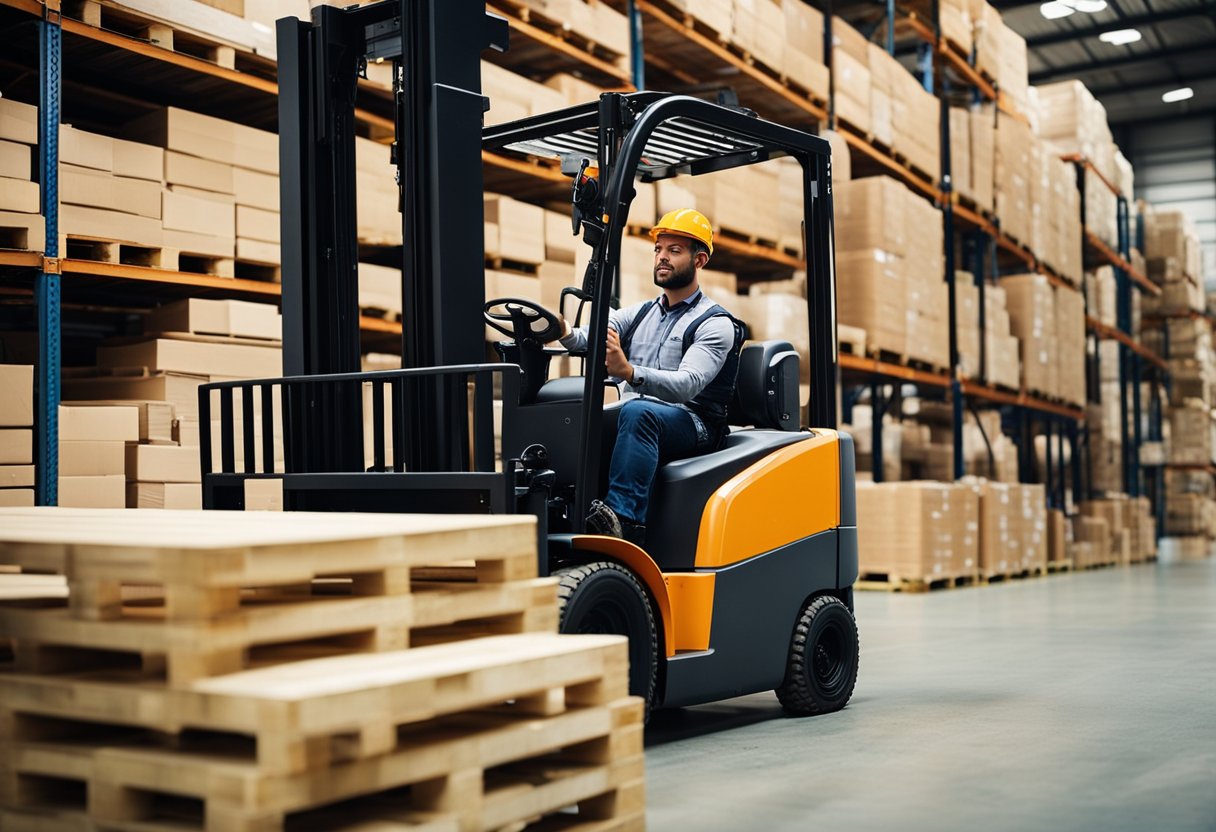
[[1082, 701]]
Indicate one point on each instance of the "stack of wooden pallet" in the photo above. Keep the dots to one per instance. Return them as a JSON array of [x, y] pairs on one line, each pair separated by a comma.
[[231, 671]]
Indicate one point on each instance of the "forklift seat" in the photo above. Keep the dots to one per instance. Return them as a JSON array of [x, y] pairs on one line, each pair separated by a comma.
[[766, 397]]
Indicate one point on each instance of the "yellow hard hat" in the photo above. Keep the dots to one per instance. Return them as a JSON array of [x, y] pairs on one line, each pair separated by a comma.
[[687, 222]]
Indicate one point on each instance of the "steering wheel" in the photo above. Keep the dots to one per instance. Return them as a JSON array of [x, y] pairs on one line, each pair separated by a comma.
[[522, 320]]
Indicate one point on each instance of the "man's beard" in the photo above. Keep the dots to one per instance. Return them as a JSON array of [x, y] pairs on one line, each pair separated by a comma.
[[677, 279]]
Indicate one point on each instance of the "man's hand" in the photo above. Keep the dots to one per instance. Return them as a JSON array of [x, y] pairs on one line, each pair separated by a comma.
[[565, 328], [616, 362]]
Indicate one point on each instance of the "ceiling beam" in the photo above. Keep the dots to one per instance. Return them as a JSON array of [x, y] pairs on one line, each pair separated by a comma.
[[1181, 81], [1205, 9], [1086, 67]]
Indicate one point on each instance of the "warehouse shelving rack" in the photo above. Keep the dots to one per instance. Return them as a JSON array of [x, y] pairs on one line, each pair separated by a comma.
[[1136, 363], [248, 92]]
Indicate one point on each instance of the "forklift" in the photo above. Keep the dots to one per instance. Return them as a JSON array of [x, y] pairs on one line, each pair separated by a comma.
[[745, 581]]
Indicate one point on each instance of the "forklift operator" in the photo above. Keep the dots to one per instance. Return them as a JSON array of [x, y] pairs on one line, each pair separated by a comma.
[[677, 358]]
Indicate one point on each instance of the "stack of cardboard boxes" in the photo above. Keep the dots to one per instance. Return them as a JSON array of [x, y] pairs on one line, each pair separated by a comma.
[[1000, 53], [92, 454], [17, 435], [1073, 121], [21, 225], [200, 210], [156, 379], [889, 268], [946, 530], [1172, 248], [851, 80], [1002, 352], [918, 531], [1050, 326], [1121, 529]]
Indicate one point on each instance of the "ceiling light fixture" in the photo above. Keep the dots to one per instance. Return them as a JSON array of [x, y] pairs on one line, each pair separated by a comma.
[[1180, 94], [1055, 9], [1086, 6], [1119, 37]]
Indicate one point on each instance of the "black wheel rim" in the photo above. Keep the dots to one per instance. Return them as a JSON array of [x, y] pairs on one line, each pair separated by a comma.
[[831, 659]]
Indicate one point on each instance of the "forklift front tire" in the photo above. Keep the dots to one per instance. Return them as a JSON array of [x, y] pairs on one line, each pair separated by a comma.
[[604, 597], [822, 667]]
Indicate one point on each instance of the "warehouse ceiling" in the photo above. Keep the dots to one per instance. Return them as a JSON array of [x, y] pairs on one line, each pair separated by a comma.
[[1176, 49]]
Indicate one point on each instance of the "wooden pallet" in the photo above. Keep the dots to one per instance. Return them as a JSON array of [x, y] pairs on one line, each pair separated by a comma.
[[486, 733], [889, 582], [157, 32], [121, 252], [192, 594], [1065, 565], [852, 339]]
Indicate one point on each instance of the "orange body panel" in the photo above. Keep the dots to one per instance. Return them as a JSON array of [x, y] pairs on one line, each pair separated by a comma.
[[692, 607], [644, 567], [790, 494]]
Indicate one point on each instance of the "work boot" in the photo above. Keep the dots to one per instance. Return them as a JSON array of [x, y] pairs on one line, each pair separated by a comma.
[[603, 520]]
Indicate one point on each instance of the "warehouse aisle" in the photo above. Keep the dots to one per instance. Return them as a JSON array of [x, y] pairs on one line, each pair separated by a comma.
[[1078, 702]]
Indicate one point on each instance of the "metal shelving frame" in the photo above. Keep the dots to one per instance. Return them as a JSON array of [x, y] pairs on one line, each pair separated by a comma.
[[984, 239]]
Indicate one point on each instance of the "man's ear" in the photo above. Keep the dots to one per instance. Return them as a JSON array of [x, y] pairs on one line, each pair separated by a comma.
[[702, 259]]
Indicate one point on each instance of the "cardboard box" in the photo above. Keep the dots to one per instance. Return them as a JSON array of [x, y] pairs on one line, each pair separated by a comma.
[[19, 195], [16, 161], [203, 245], [872, 213], [136, 160], [205, 174], [851, 79], [380, 287], [255, 189], [82, 221], [86, 150], [98, 424], [155, 417], [179, 389], [871, 294], [191, 133], [16, 497], [239, 318], [163, 463], [18, 122], [22, 231], [198, 215], [95, 189], [195, 357], [521, 229], [91, 459], [257, 224], [93, 492], [560, 241], [17, 401], [259, 252], [17, 476], [167, 495], [16, 446]]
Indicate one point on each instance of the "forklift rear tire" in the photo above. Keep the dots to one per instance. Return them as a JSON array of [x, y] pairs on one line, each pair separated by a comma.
[[605, 597], [822, 668]]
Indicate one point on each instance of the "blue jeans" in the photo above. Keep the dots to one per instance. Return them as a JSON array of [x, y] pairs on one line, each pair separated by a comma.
[[649, 433]]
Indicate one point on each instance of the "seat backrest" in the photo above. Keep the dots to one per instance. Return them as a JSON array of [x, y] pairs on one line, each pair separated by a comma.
[[766, 391]]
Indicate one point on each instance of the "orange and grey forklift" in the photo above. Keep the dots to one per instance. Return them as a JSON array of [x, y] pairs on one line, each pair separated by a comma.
[[745, 581]]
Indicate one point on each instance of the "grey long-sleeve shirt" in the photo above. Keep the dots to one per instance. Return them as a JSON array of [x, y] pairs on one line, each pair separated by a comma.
[[661, 368]]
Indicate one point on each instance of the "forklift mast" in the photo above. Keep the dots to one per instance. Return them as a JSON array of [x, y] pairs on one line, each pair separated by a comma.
[[436, 58]]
